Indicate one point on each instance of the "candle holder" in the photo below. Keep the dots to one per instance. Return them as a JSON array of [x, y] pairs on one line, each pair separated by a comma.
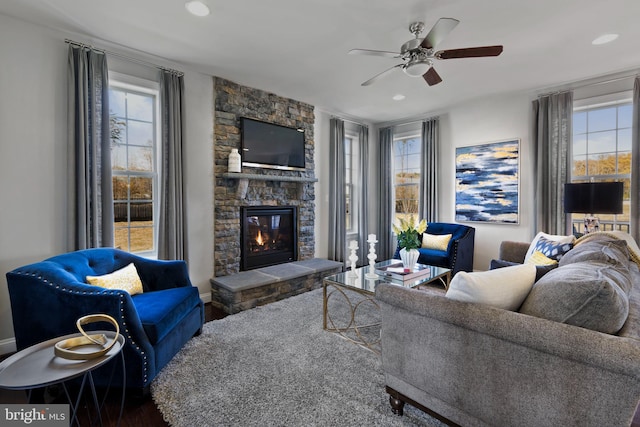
[[372, 257], [353, 257]]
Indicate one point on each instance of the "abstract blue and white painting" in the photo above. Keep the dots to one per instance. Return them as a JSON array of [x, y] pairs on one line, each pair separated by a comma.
[[487, 182]]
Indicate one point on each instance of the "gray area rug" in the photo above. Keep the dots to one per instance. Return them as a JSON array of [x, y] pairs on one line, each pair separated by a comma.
[[275, 366]]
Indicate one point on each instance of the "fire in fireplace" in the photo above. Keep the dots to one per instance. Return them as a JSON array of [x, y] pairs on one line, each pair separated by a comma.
[[269, 236]]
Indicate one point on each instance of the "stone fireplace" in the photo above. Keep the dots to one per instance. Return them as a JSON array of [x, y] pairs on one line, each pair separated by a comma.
[[269, 236], [255, 187]]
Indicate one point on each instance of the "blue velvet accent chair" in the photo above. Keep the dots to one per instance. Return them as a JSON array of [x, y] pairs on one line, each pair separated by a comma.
[[47, 297], [459, 253]]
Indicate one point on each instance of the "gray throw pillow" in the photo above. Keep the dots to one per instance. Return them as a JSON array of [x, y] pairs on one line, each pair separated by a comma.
[[591, 295], [611, 251]]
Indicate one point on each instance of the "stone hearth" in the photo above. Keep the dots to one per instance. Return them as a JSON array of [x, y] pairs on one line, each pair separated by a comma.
[[248, 289]]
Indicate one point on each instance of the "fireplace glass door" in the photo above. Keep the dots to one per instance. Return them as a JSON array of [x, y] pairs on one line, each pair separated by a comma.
[[269, 236]]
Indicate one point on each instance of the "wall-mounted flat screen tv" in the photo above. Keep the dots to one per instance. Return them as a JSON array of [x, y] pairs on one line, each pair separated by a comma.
[[268, 145]]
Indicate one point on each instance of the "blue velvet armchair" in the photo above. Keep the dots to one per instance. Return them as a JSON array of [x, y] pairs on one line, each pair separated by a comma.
[[47, 297], [459, 253]]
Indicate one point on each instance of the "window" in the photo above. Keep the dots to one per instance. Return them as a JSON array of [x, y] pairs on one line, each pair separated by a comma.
[[134, 131], [406, 177], [348, 183], [602, 152]]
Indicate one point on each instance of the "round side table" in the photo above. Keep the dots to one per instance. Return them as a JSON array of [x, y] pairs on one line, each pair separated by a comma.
[[37, 366]]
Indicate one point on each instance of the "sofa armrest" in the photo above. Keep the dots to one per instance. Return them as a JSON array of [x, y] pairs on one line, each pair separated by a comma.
[[513, 251], [472, 362]]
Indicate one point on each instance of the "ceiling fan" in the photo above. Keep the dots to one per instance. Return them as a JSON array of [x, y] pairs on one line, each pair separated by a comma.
[[418, 54]]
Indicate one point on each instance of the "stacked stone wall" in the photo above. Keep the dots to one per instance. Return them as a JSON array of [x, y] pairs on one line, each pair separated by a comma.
[[233, 101]]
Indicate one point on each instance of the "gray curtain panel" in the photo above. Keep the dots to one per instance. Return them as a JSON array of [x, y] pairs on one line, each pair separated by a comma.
[[90, 187], [363, 212], [634, 219], [337, 227], [552, 128], [429, 168], [172, 224], [385, 215]]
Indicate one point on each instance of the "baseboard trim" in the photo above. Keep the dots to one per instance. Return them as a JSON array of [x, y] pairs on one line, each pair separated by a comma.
[[206, 298]]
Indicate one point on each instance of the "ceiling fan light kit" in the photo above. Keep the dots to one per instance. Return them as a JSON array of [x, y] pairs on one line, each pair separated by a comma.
[[419, 54], [417, 68]]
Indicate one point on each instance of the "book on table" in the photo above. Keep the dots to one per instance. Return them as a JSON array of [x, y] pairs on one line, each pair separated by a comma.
[[396, 271]]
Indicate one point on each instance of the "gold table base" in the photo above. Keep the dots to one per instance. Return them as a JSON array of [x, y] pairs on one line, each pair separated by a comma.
[[358, 281], [328, 323]]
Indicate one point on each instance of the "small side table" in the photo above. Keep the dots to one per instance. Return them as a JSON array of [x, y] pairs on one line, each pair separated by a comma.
[[37, 366]]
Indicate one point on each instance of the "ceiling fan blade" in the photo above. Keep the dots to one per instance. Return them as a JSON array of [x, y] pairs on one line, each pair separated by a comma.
[[374, 53], [439, 31], [432, 77], [377, 76], [469, 52]]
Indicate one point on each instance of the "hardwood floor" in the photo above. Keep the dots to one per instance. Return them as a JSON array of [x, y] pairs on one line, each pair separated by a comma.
[[137, 411]]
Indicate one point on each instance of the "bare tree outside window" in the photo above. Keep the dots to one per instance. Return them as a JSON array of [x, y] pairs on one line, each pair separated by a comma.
[[133, 136], [406, 165]]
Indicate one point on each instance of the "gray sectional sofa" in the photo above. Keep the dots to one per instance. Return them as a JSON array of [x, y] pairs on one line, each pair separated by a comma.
[[477, 365]]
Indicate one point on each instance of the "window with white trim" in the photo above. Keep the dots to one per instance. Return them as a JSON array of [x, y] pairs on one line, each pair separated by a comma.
[[350, 218], [601, 151], [134, 120], [406, 177]]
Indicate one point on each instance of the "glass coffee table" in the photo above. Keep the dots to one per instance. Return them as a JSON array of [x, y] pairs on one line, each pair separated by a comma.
[[353, 291]]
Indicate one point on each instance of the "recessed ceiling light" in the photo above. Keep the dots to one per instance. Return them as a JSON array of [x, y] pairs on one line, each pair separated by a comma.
[[398, 97], [197, 8], [605, 38]]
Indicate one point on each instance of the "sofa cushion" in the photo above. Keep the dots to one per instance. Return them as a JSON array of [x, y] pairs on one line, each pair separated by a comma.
[[605, 249], [433, 257], [559, 239], [503, 288], [126, 279], [161, 311], [541, 270], [439, 242], [590, 294], [632, 246]]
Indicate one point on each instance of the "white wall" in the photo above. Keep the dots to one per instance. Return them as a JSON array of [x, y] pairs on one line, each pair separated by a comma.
[[481, 121], [322, 163], [33, 157]]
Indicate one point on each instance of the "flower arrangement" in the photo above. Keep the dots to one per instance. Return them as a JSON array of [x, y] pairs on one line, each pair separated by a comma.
[[409, 232]]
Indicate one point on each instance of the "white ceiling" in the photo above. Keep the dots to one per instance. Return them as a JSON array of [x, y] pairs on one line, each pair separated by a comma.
[[298, 48]]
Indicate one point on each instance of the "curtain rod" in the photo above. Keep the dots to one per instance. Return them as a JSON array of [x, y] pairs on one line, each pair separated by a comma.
[[410, 122], [121, 56], [350, 121], [572, 87]]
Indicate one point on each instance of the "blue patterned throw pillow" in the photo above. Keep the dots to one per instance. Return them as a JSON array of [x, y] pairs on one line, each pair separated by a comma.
[[551, 249]]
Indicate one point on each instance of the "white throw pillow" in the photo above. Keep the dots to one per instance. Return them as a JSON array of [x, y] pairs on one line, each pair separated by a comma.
[[504, 288], [555, 238]]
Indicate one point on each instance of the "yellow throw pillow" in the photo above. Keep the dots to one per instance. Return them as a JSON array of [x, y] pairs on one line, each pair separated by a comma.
[[126, 279], [436, 241], [538, 258]]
